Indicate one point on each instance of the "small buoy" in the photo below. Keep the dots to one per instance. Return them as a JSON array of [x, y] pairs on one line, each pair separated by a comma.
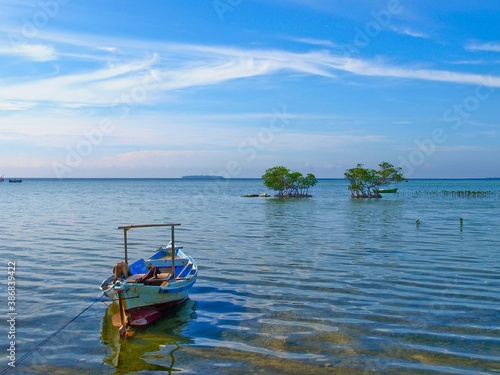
[[417, 221]]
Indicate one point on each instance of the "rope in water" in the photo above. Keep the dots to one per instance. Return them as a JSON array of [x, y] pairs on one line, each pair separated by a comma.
[[7, 369]]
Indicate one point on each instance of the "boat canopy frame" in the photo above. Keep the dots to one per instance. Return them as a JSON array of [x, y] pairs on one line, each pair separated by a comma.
[[126, 228]]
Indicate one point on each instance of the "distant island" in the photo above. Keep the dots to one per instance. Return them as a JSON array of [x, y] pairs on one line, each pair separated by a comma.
[[203, 177]]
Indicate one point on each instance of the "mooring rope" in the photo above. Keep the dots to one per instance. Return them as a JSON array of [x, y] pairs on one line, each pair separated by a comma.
[[7, 369]]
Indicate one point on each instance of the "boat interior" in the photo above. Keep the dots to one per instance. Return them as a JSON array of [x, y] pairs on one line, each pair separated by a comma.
[[157, 269]]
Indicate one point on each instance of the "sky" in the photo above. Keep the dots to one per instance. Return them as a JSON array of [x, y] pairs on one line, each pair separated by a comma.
[[163, 89]]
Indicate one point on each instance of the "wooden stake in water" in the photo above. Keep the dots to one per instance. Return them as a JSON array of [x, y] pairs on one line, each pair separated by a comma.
[[173, 254]]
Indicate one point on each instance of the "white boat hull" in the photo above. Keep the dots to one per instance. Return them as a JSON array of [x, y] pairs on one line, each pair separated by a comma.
[[145, 303]]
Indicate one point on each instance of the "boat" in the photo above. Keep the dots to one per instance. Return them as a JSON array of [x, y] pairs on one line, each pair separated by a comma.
[[386, 191], [15, 180], [146, 289], [1, 178]]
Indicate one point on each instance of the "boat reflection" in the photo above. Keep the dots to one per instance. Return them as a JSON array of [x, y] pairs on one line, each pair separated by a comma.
[[149, 348]]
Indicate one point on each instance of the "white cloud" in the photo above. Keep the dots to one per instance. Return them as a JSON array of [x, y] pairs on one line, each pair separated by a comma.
[[483, 46], [145, 156], [405, 30], [316, 42], [185, 66], [458, 148], [375, 69], [158, 159], [37, 52], [321, 141], [96, 88], [29, 51], [16, 106], [109, 49]]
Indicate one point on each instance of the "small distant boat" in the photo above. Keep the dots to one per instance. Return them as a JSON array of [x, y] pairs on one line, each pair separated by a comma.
[[386, 191], [15, 180], [1, 178], [147, 288]]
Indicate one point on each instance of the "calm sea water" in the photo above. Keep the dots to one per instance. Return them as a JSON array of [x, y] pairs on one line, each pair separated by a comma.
[[321, 285]]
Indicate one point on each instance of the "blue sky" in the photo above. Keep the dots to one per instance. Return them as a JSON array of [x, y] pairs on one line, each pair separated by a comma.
[[232, 87]]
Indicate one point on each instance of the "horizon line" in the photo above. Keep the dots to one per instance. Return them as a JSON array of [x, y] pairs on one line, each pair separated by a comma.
[[214, 178]]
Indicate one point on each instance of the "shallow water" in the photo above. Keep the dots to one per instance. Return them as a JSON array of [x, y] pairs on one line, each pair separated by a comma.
[[326, 284]]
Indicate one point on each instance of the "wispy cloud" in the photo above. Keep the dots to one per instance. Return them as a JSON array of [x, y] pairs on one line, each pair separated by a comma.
[[187, 65], [16, 106], [457, 148], [316, 42], [167, 159], [29, 51], [444, 148], [484, 46], [381, 69], [471, 62], [95, 88], [147, 156], [300, 141], [109, 49], [406, 30]]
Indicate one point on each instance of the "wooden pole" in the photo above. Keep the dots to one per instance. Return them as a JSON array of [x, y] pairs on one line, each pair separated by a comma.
[[173, 254], [123, 321], [127, 227], [125, 243]]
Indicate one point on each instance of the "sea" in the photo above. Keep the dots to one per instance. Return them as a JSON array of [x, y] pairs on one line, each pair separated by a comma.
[[405, 284]]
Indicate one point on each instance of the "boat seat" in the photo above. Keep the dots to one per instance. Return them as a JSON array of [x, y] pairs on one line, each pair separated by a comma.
[[134, 278], [160, 278], [159, 281]]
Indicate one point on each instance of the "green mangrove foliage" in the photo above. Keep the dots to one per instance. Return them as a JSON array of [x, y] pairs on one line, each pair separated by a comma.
[[366, 183], [288, 184]]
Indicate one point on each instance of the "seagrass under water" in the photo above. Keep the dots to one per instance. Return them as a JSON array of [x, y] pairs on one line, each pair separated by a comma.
[[304, 286]]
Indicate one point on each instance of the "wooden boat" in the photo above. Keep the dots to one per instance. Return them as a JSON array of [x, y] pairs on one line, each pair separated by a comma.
[[147, 288], [386, 191]]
